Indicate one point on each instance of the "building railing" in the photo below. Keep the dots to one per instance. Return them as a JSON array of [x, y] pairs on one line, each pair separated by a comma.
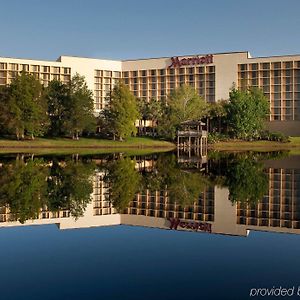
[[192, 133]]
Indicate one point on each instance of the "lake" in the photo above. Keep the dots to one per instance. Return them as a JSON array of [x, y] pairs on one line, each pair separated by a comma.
[[160, 226]]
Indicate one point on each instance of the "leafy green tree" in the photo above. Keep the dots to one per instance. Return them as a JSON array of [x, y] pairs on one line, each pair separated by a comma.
[[217, 114], [79, 108], [58, 97], [246, 112], [150, 111], [26, 107], [183, 104], [6, 122], [124, 182], [122, 112]]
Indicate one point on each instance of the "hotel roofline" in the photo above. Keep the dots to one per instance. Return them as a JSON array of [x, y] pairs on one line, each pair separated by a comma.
[[150, 58]]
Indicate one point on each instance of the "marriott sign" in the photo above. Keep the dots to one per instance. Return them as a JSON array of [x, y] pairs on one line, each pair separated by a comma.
[[195, 60]]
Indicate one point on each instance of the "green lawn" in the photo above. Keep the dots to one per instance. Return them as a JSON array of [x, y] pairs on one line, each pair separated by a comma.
[[85, 145], [237, 145]]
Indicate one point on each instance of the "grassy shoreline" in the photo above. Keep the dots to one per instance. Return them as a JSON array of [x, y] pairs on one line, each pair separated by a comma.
[[85, 145], [139, 145], [238, 145]]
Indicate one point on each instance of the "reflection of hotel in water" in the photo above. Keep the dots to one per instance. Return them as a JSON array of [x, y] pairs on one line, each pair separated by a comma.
[[278, 211]]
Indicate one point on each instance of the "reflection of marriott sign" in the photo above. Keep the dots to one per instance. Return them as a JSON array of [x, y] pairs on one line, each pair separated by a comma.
[[196, 60], [174, 223]]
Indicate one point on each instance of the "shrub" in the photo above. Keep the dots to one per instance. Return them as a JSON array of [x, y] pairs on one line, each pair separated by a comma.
[[214, 137]]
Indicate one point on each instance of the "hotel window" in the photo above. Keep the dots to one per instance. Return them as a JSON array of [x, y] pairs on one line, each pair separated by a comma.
[[243, 67], [254, 67], [211, 69], [277, 65], [35, 68], [107, 73], [116, 74], [288, 64], [126, 74], [201, 70], [266, 74], [143, 73], [126, 80], [14, 67], [254, 74], [162, 72], [134, 73], [3, 66], [172, 71], [265, 66], [277, 73], [153, 72], [56, 70], [25, 68], [46, 69], [181, 71], [66, 70], [288, 73], [277, 80]]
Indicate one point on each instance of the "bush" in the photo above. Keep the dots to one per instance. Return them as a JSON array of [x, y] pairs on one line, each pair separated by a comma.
[[274, 136], [214, 137]]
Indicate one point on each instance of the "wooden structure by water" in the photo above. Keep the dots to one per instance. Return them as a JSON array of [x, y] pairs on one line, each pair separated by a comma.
[[192, 135]]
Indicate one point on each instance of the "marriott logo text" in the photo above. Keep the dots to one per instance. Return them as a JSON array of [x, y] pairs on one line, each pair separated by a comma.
[[196, 60]]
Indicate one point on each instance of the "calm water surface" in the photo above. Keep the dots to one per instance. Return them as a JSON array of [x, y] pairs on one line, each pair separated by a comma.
[[153, 227]]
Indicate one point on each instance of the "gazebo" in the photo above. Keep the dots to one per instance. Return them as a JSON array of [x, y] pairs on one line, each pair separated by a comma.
[[192, 134]]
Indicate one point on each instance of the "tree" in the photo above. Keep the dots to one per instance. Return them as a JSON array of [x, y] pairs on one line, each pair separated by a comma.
[[58, 96], [183, 104], [79, 108], [151, 111], [246, 112], [26, 107], [122, 112], [217, 115]]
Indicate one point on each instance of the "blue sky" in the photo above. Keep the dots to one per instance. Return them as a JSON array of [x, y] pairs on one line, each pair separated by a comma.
[[134, 29]]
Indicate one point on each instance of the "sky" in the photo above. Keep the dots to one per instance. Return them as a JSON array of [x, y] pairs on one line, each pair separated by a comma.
[[116, 29]]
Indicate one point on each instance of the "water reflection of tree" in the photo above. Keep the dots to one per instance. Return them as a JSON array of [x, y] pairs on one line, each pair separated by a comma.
[[243, 174], [23, 188], [124, 182], [70, 186], [29, 186], [183, 186]]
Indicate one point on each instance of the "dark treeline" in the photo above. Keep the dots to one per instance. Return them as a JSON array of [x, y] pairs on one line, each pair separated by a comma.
[[27, 108]]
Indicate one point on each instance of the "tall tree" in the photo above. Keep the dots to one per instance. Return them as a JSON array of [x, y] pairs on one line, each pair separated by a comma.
[[183, 104], [246, 112], [26, 107], [122, 112], [58, 96], [80, 108]]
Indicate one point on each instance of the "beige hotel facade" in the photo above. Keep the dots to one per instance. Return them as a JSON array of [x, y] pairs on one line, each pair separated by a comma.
[[212, 75]]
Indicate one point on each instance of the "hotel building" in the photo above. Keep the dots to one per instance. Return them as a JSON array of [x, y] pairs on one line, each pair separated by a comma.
[[212, 75]]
